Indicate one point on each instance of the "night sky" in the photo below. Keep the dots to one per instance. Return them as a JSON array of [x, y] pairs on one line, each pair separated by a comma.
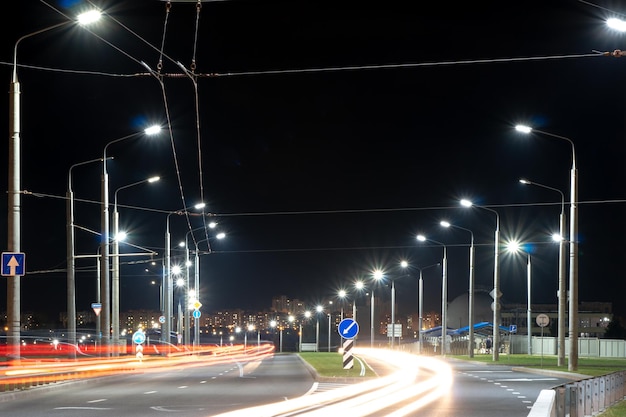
[[330, 136]]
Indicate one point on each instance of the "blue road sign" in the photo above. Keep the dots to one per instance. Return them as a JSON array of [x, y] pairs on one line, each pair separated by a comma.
[[13, 264], [513, 328], [139, 337], [196, 314], [348, 328]]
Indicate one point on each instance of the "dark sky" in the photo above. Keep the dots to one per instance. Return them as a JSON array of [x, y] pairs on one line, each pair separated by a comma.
[[331, 135]]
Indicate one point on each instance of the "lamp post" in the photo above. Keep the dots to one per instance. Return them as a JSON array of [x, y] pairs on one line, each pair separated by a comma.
[[115, 283], [377, 276], [420, 303], [562, 296], [470, 343], [496, 294], [196, 285], [71, 258], [318, 310], [329, 325], [515, 247], [290, 319], [359, 285], [167, 274], [573, 249], [105, 316], [14, 188], [342, 294], [444, 293], [307, 315]]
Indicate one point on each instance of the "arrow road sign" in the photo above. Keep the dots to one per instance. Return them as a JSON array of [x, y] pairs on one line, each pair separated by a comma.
[[12, 264], [348, 328]]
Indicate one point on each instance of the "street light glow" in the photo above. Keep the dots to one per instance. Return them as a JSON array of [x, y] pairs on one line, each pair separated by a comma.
[[152, 130], [617, 24], [89, 17], [513, 246], [523, 128]]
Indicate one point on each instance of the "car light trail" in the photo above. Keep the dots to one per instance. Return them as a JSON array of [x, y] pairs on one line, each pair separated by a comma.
[[369, 397]]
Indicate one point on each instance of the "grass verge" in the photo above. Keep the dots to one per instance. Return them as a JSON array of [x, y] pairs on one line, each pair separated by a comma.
[[330, 364], [586, 366]]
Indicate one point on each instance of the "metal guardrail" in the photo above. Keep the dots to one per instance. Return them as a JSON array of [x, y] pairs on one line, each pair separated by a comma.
[[586, 397]]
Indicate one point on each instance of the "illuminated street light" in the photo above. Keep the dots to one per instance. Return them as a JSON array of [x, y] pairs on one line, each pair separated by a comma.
[[115, 284], [15, 185], [496, 280], [420, 303], [562, 294], [307, 316], [515, 247], [444, 293], [573, 249], [359, 286], [196, 286], [470, 344], [377, 275], [105, 316], [318, 310], [167, 274], [71, 260], [617, 24]]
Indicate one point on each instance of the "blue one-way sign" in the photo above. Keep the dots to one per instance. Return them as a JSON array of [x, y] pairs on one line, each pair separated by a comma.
[[12, 264]]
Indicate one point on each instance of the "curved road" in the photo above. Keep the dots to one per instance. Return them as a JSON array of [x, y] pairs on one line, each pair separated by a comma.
[[203, 390]]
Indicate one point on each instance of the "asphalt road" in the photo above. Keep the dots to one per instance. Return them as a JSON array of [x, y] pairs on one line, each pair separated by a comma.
[[478, 390], [486, 390]]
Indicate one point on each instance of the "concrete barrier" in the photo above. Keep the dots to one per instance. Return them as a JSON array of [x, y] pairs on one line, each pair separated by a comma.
[[545, 406]]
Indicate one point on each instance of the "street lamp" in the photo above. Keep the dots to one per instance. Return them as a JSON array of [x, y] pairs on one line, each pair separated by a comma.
[[496, 279], [562, 271], [14, 187], [515, 247], [444, 293], [167, 274], [105, 316], [318, 310], [115, 284], [470, 345], [71, 257], [420, 302], [377, 275], [307, 315], [342, 294], [330, 313], [196, 286], [573, 249]]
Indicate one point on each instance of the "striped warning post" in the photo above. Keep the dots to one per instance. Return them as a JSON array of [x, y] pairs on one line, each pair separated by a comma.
[[348, 360]]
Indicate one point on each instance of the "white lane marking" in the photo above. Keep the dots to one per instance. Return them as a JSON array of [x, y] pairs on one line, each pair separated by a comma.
[[491, 372], [527, 379], [183, 386], [81, 408], [150, 392], [97, 401]]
